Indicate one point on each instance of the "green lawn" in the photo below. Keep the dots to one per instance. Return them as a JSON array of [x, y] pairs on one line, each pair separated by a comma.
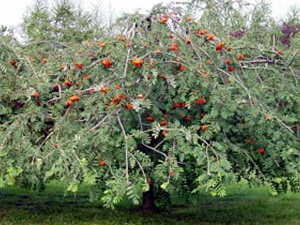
[[241, 206]]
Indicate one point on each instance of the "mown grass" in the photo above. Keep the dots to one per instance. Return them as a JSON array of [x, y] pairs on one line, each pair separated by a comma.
[[241, 206]]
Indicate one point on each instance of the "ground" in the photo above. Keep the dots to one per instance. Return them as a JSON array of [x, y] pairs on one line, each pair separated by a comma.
[[241, 206]]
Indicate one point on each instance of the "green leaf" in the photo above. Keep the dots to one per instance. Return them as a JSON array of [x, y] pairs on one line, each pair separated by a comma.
[[164, 185]]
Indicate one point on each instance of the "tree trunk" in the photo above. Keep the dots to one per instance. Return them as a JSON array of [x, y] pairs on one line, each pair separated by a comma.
[[148, 205]]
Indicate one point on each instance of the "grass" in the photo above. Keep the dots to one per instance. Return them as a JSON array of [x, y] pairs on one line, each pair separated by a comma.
[[241, 206]]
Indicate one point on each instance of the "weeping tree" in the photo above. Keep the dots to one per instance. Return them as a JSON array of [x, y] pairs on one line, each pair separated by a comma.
[[176, 101]]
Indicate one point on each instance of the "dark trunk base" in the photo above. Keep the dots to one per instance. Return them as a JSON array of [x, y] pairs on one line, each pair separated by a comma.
[[148, 205]]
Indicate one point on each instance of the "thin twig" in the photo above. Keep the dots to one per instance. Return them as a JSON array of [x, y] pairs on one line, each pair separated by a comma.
[[140, 165], [32, 68], [155, 150], [57, 98], [208, 162], [289, 64], [210, 146], [100, 122], [126, 148]]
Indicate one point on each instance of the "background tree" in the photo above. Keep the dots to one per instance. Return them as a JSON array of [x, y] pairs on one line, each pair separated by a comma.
[[64, 22]]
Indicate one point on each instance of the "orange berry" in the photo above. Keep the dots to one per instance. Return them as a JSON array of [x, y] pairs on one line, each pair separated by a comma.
[[69, 102], [204, 127], [201, 32], [163, 20], [240, 57], [102, 162], [74, 98], [45, 60], [188, 19], [227, 62], [129, 106], [164, 133], [137, 62], [164, 122], [220, 46], [268, 118], [174, 46], [107, 63], [165, 16], [101, 44], [35, 94], [104, 90], [200, 101], [229, 49], [210, 37], [68, 83], [181, 68]]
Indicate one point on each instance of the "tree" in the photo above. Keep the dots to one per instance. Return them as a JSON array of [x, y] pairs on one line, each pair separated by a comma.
[[175, 102], [64, 22]]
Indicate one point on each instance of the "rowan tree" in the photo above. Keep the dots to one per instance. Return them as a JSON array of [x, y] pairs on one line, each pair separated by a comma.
[[171, 100]]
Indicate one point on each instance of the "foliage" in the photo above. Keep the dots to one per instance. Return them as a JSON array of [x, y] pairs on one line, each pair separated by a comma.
[[175, 99]]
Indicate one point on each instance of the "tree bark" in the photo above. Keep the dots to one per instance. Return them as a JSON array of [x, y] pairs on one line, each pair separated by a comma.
[[148, 205]]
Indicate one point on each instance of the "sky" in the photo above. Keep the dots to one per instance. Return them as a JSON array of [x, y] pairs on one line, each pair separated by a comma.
[[11, 11]]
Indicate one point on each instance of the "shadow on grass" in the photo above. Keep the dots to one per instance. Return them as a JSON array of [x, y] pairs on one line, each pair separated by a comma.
[[241, 206]]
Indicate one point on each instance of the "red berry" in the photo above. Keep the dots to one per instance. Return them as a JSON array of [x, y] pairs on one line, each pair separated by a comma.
[[129, 106], [164, 122], [200, 101], [35, 94], [240, 57], [78, 66], [102, 162], [261, 150], [13, 62], [150, 119]]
